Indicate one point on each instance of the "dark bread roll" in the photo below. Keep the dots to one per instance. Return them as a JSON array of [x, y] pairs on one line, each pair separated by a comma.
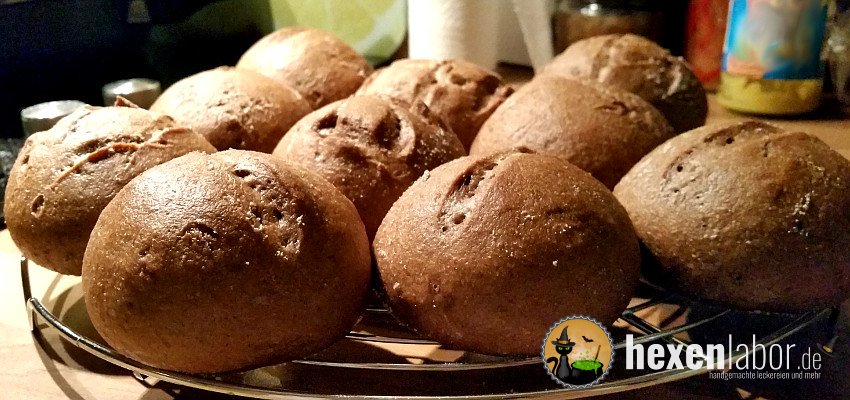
[[316, 63], [483, 254], [461, 93], [600, 129], [745, 214], [222, 262], [640, 66], [65, 176], [371, 148], [234, 108]]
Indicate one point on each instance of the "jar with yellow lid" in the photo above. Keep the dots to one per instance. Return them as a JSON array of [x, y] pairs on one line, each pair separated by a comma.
[[772, 56]]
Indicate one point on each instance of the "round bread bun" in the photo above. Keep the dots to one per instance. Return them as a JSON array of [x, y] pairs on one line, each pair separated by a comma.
[[65, 176], [316, 63], [638, 65], [461, 93], [234, 108], [483, 254], [371, 148], [222, 262], [600, 129], [745, 214]]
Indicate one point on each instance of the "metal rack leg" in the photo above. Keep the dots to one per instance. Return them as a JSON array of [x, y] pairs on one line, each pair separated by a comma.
[[27, 289], [828, 348]]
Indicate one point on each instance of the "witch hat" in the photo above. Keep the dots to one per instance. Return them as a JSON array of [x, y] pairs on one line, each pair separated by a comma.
[[564, 340]]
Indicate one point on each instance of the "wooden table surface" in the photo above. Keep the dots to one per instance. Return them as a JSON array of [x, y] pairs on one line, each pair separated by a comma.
[[50, 369]]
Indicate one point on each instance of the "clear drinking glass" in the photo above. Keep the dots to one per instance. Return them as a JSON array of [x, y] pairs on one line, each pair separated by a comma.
[[839, 59]]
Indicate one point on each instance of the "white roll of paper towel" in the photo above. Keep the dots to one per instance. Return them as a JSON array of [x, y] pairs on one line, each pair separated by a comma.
[[460, 29]]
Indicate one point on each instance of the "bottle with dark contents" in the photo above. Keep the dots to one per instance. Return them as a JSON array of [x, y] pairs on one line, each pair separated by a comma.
[[579, 19]]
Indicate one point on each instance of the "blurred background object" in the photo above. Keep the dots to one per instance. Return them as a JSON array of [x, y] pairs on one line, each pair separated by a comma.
[[510, 45], [839, 57], [533, 17], [772, 61], [454, 29], [550, 26], [574, 20], [141, 92], [63, 49], [706, 26], [375, 28], [43, 116]]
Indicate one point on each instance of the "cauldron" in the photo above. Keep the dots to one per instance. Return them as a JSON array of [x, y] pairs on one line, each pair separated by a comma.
[[585, 371]]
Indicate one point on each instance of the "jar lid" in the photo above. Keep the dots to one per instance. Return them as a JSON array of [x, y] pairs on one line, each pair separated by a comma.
[[43, 116], [141, 92]]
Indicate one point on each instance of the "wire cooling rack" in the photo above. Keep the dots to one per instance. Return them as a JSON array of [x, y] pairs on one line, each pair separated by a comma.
[[379, 368]]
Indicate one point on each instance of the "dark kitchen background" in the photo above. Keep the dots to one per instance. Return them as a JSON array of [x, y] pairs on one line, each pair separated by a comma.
[[64, 49], [68, 49]]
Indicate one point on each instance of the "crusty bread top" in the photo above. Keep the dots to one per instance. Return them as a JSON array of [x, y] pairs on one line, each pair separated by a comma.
[[227, 261], [234, 108], [371, 147], [462, 93], [316, 63], [505, 237], [600, 129], [64, 176], [735, 206], [638, 65]]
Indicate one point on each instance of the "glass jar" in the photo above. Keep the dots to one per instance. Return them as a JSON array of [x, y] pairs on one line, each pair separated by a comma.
[[839, 59], [772, 57], [579, 19]]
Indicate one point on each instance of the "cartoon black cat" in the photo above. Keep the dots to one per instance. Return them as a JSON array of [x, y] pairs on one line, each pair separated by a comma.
[[566, 372]]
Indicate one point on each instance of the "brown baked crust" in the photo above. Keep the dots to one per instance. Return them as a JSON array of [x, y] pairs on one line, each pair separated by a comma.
[[600, 129], [640, 66], [234, 108], [222, 262], [64, 176], [371, 148], [745, 214], [463, 94], [316, 63], [483, 254]]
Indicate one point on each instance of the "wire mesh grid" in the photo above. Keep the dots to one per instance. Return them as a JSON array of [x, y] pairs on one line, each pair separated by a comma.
[[463, 375]]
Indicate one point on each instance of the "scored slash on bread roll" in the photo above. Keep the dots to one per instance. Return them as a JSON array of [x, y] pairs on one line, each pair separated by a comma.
[[222, 262], [370, 147], [484, 253], [234, 108], [463, 94], [65, 176], [600, 129], [316, 63], [640, 66], [745, 214]]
